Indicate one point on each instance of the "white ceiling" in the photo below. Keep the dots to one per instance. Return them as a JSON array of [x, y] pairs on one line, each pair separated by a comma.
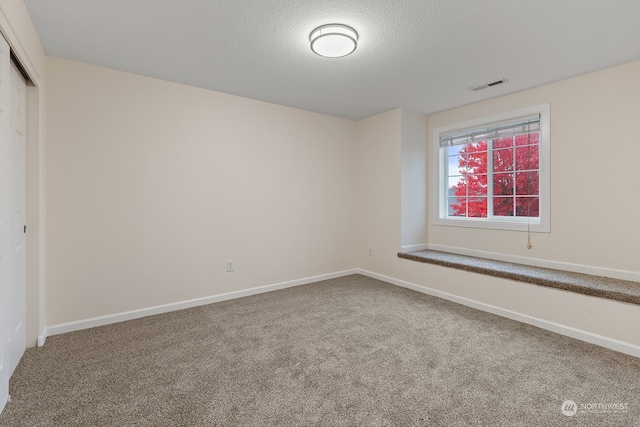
[[417, 54]]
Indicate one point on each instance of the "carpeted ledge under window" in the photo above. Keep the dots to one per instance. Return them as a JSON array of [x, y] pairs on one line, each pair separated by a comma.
[[597, 286]]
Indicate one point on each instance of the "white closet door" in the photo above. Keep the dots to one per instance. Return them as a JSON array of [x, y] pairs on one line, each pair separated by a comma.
[[5, 227], [18, 217], [13, 192]]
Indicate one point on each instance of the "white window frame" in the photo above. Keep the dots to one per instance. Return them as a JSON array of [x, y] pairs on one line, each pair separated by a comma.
[[540, 224]]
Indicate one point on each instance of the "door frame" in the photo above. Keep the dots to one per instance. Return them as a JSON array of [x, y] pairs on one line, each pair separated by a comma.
[[18, 30], [27, 52]]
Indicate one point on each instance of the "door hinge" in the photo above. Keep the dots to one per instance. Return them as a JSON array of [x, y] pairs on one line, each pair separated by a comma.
[[25, 228]]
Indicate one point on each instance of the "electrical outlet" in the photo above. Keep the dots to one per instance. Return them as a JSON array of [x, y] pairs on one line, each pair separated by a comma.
[[370, 251], [230, 265]]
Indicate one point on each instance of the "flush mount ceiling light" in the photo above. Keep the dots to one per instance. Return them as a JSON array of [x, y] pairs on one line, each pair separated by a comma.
[[333, 40]]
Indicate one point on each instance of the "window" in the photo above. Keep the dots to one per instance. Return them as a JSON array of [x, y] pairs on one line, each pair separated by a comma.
[[494, 172]]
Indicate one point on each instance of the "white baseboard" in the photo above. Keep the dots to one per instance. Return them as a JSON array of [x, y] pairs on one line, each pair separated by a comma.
[[613, 344], [136, 314], [613, 273]]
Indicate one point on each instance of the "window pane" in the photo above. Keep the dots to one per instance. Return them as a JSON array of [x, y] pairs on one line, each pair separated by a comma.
[[453, 159], [457, 206], [454, 150], [478, 146], [476, 161], [503, 184], [527, 183], [528, 139], [477, 207], [528, 206], [503, 160], [477, 185], [503, 206], [453, 165], [456, 186], [503, 142], [527, 158]]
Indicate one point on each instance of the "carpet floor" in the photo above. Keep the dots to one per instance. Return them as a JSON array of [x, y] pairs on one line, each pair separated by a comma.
[[351, 351]]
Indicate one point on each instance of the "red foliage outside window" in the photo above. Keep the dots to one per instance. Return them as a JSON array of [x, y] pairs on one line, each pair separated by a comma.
[[515, 174]]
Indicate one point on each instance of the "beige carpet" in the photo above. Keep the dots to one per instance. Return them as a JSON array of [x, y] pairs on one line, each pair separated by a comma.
[[346, 352]]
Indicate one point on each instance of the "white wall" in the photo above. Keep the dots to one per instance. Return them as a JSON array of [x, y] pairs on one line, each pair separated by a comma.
[[152, 186], [594, 197], [413, 155], [378, 182]]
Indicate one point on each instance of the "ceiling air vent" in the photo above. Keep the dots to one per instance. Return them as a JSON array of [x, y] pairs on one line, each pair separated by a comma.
[[487, 85]]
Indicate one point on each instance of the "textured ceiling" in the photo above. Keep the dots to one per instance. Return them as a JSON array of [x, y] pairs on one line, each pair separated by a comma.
[[417, 54]]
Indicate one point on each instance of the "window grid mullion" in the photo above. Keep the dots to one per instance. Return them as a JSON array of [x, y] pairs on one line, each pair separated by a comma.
[[466, 177], [445, 185], [490, 178], [513, 168]]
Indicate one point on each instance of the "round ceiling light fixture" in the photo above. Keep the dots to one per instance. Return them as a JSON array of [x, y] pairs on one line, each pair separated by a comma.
[[333, 40]]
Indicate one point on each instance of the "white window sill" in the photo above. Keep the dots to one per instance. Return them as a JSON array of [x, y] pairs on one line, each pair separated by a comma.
[[514, 225]]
